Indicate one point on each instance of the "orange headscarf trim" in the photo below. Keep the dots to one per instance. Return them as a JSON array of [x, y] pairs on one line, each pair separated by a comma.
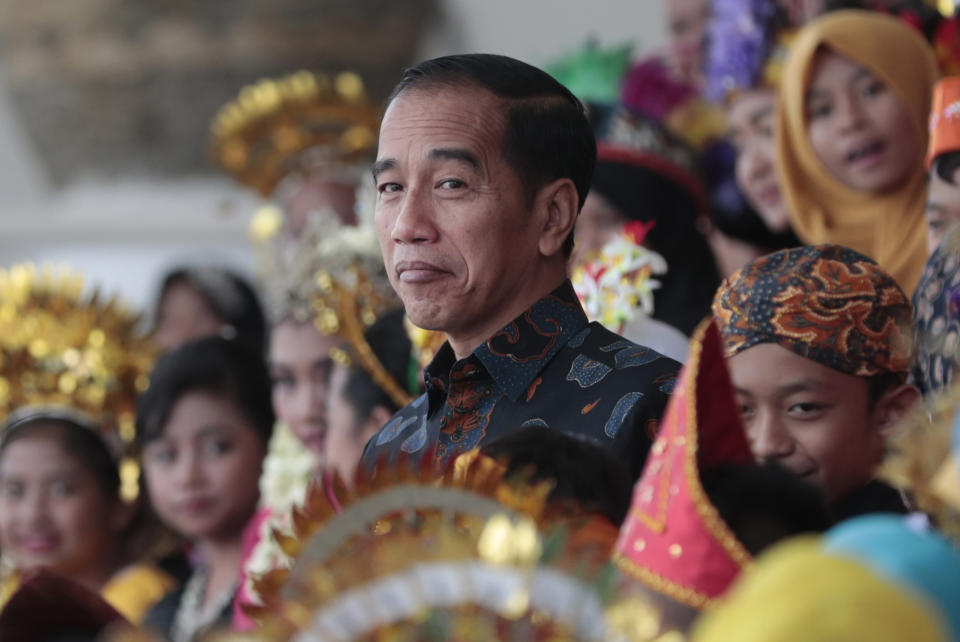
[[889, 228]]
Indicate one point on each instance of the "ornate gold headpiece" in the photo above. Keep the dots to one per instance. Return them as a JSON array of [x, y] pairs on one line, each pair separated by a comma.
[[302, 120], [462, 552], [61, 347], [921, 454]]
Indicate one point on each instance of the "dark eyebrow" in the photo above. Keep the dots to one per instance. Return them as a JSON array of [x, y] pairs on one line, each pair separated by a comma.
[[381, 166], [860, 73], [760, 114], [457, 154]]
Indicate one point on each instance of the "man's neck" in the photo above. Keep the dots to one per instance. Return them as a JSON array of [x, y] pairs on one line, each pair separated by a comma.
[[465, 342]]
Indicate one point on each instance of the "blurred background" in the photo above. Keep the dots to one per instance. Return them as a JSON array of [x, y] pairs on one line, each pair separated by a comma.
[[106, 106]]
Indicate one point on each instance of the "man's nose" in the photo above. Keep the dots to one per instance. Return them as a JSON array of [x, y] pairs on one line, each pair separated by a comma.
[[414, 222], [769, 438]]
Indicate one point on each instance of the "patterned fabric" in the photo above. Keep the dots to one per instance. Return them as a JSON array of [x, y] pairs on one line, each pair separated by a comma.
[[937, 304], [548, 367], [674, 540], [827, 303]]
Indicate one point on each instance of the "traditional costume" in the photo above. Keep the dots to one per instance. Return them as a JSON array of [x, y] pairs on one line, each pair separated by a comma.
[[937, 325], [69, 354], [888, 227], [674, 541], [831, 305]]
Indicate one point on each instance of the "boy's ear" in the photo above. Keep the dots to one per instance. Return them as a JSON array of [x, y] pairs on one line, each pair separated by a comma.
[[893, 406]]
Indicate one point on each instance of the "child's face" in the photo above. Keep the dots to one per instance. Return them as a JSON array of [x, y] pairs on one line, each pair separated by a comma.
[[943, 208], [813, 420], [300, 371], [203, 471], [751, 120], [859, 128], [54, 513]]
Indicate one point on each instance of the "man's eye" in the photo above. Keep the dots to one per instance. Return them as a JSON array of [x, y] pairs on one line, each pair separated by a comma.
[[451, 183], [388, 187]]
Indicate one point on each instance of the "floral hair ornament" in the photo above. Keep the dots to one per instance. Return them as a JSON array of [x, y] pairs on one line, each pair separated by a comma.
[[68, 351], [673, 539], [742, 39], [616, 284]]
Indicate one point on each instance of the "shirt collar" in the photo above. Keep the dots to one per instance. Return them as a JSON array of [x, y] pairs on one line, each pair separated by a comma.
[[520, 350]]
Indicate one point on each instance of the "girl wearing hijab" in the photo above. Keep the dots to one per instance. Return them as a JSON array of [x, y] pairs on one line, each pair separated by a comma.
[[851, 133]]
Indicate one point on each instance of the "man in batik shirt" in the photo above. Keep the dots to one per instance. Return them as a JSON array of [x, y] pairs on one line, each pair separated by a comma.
[[483, 165]]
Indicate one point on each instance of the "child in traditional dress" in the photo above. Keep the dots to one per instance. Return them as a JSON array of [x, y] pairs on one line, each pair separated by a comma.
[[817, 342], [61, 511], [204, 424], [851, 136]]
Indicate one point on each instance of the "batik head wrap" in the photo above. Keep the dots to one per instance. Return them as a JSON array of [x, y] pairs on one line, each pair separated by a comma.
[[888, 227], [826, 303], [937, 304]]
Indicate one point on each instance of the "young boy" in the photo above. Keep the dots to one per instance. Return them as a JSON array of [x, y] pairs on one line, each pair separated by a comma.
[[943, 161], [816, 340]]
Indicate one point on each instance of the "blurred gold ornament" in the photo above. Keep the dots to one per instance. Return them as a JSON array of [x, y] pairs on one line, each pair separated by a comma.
[[61, 347], [270, 128]]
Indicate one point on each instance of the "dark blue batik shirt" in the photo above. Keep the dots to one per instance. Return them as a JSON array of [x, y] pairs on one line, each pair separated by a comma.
[[548, 367]]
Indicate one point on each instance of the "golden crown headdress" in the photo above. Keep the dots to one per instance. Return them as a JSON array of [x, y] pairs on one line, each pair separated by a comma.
[[303, 120], [463, 552], [62, 346], [922, 460]]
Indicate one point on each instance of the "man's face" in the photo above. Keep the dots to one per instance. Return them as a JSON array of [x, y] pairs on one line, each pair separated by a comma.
[[815, 421], [943, 208], [451, 214]]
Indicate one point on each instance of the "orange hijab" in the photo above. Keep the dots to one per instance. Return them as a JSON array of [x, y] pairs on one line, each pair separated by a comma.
[[890, 227]]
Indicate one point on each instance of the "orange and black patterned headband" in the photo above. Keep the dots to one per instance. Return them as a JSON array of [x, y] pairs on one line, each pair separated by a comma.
[[827, 303]]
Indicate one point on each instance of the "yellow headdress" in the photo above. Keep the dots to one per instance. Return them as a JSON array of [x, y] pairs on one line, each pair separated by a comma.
[[462, 552], [923, 460], [303, 120], [65, 348]]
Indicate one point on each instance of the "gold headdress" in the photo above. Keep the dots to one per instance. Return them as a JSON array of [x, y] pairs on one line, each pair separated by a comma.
[[301, 121], [923, 460], [63, 348], [462, 552]]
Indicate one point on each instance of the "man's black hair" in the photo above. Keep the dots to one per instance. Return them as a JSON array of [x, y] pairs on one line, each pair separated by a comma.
[[223, 367], [585, 473], [946, 166], [391, 346], [764, 503], [546, 136]]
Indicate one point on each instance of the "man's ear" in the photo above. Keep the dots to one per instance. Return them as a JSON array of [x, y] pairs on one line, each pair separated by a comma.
[[893, 406], [557, 205]]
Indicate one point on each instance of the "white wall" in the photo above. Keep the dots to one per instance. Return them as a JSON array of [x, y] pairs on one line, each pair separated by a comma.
[[538, 31], [124, 234]]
